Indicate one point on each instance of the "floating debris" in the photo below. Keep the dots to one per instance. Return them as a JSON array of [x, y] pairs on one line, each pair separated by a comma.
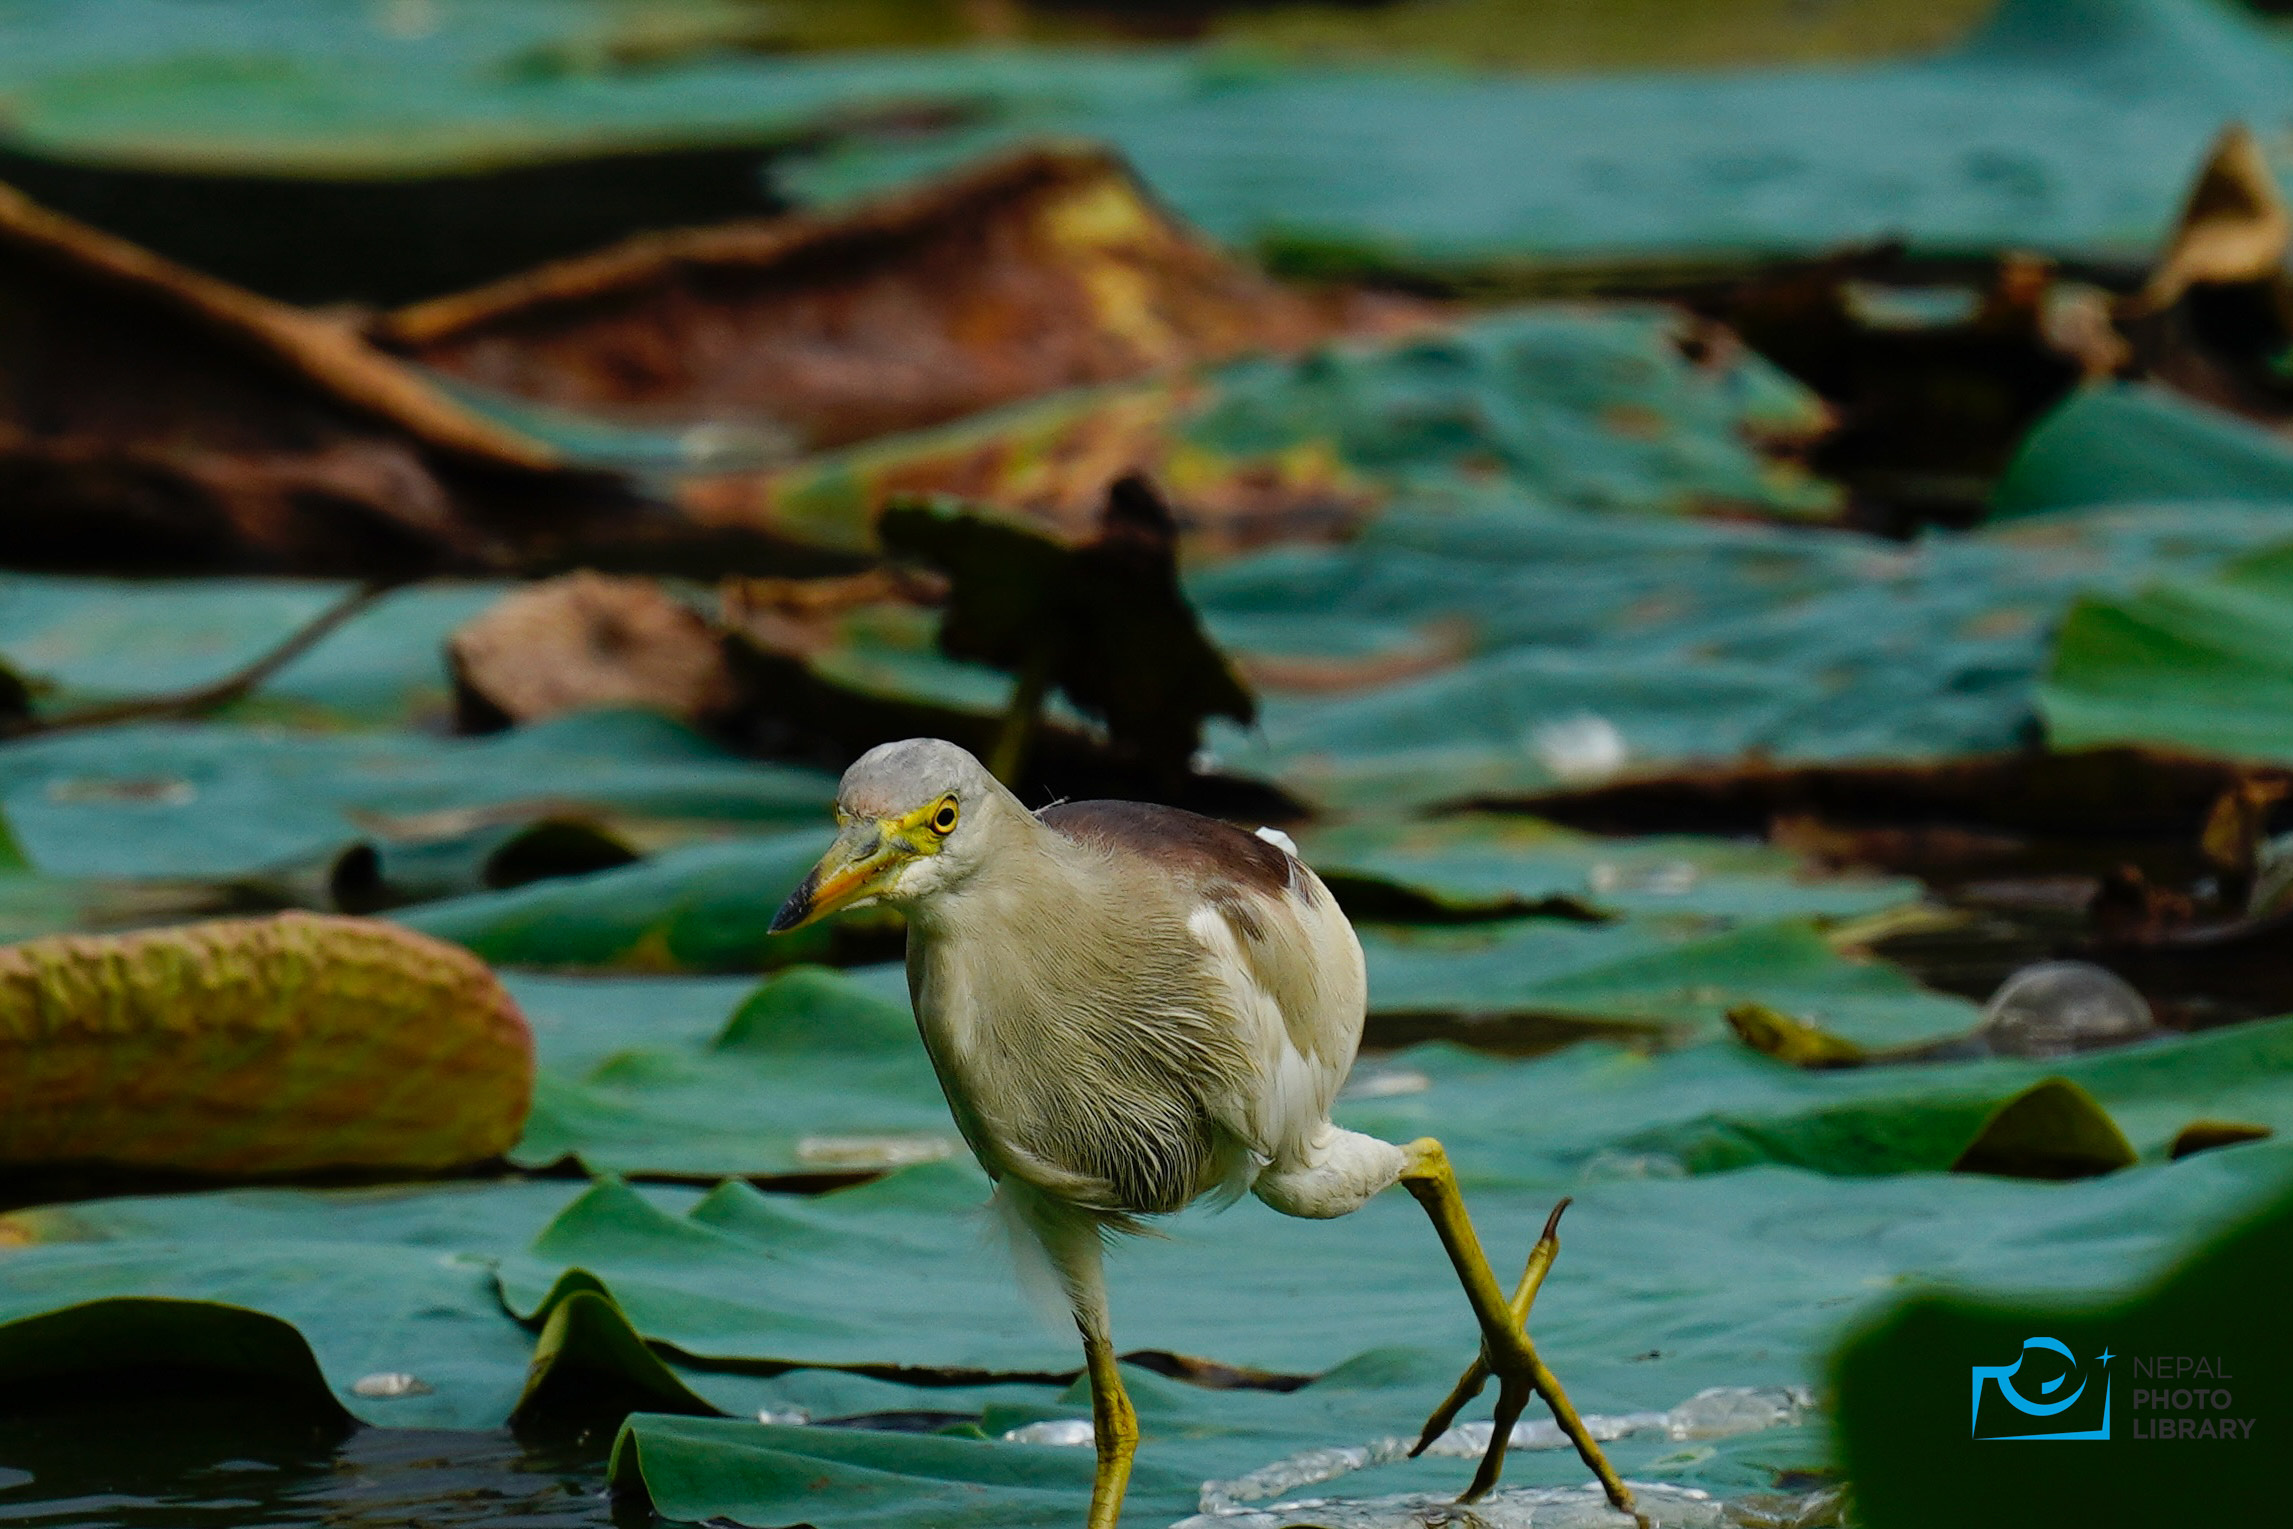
[[1579, 751], [888, 1151], [390, 1384], [1067, 1433]]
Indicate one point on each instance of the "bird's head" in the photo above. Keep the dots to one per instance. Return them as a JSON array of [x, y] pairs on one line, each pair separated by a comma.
[[912, 818]]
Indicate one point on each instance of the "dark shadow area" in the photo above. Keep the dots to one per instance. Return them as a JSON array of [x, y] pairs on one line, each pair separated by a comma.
[[378, 239], [173, 1449]]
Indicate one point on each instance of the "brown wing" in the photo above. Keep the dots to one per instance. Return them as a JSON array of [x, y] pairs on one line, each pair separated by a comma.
[[1212, 854], [1289, 963]]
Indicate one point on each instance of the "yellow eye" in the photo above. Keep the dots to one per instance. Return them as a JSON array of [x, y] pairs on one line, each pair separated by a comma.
[[944, 816]]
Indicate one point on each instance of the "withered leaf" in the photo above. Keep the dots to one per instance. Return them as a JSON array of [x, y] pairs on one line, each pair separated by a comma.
[[1042, 270], [1992, 804], [2234, 226], [2216, 314], [1106, 622], [152, 417], [1049, 461], [586, 640]]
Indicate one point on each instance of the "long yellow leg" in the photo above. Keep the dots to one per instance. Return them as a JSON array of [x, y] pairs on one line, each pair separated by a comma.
[[1114, 1428], [1071, 1239], [1505, 1348], [1476, 1376]]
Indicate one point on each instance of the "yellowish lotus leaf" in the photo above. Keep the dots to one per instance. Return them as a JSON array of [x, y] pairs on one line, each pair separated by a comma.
[[258, 1047], [2051, 1130], [1777, 1034], [2209, 1135]]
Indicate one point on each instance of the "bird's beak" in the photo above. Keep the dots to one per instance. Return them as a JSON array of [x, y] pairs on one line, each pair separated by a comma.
[[857, 869]]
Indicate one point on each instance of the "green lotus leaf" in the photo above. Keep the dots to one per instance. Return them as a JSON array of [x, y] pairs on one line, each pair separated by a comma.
[[2133, 1371], [2196, 664], [589, 1361], [2134, 443], [707, 907], [127, 1334]]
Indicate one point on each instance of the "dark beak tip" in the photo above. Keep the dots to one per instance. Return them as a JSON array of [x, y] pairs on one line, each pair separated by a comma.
[[796, 909]]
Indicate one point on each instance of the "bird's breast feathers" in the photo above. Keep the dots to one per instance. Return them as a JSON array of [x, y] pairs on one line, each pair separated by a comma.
[[1131, 1040]]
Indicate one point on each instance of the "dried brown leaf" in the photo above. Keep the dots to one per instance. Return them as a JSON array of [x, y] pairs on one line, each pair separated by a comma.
[[2234, 228], [154, 417], [587, 640], [1047, 269], [1049, 464]]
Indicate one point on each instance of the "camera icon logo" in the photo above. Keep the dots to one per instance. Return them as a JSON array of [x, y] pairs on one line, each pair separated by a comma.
[[2053, 1369]]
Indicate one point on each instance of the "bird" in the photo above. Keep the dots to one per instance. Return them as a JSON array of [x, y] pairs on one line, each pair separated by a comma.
[[1132, 1007]]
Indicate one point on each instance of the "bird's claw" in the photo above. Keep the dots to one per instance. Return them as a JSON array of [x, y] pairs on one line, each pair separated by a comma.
[[1519, 1375], [1506, 1352], [1502, 1353], [1469, 1385], [1508, 1357], [1516, 1370]]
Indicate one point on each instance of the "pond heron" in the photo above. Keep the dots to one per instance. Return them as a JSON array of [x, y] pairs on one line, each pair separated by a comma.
[[1132, 1007]]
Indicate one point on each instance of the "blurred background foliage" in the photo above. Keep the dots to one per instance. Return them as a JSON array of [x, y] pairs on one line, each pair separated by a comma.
[[1746, 539]]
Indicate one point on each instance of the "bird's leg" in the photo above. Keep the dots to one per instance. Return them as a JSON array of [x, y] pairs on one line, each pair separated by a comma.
[[1070, 1239], [1114, 1428], [1505, 1348]]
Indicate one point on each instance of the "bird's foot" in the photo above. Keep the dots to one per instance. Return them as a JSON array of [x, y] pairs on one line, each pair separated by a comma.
[[1476, 1377], [1507, 1354]]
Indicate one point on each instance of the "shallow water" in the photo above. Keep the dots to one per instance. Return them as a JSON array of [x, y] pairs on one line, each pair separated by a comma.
[[181, 1455]]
